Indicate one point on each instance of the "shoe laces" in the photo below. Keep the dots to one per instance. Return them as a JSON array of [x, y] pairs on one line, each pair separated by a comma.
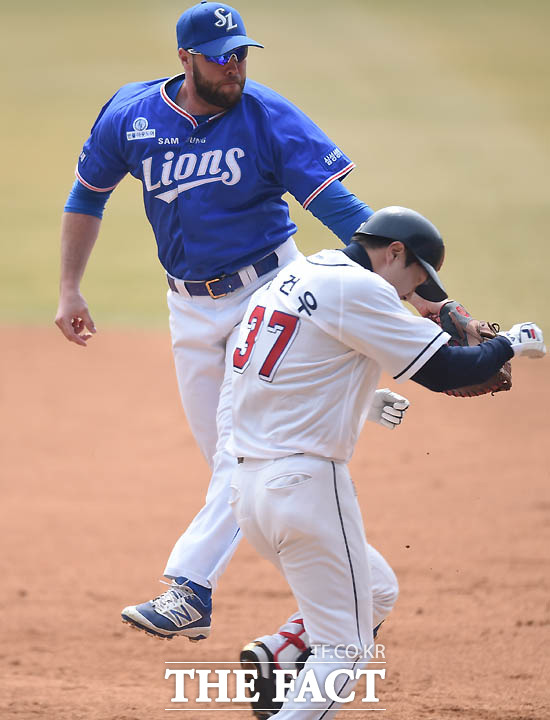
[[176, 596]]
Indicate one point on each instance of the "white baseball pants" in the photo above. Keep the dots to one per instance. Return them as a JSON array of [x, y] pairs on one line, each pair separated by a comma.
[[301, 513], [201, 330]]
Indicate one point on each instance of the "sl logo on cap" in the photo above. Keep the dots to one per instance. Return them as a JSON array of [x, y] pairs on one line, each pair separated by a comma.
[[224, 20]]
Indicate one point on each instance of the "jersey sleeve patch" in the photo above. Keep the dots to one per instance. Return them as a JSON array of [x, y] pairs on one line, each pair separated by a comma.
[[336, 176], [305, 159]]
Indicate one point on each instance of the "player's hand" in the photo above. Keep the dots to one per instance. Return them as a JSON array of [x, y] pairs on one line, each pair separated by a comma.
[[526, 339], [388, 408], [425, 307], [73, 318]]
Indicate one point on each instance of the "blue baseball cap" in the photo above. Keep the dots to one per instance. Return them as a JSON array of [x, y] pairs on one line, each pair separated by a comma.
[[212, 28]]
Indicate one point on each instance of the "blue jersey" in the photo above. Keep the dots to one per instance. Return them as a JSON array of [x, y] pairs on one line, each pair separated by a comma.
[[212, 190]]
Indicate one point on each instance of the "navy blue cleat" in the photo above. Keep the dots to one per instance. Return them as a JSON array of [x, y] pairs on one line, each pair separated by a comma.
[[183, 610]]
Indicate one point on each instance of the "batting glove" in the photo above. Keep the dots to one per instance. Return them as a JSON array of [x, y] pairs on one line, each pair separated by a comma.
[[526, 339], [388, 408]]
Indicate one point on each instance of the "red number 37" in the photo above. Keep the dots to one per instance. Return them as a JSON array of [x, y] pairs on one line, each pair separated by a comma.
[[285, 326]]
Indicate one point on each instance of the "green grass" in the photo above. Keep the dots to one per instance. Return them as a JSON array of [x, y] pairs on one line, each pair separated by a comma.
[[443, 106]]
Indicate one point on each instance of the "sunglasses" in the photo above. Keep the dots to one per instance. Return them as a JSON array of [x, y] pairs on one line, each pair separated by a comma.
[[238, 53]]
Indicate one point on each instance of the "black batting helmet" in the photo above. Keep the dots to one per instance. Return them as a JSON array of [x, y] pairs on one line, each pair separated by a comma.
[[416, 233]]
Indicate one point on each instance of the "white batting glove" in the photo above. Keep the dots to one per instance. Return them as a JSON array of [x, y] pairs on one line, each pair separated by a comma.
[[388, 408], [526, 339]]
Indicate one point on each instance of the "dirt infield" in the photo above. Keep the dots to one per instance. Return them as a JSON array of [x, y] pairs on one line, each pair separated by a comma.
[[100, 475]]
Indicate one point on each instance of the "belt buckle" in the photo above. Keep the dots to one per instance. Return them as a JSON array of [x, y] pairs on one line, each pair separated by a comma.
[[214, 297]]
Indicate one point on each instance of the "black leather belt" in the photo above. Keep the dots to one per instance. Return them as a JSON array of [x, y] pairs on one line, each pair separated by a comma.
[[221, 286]]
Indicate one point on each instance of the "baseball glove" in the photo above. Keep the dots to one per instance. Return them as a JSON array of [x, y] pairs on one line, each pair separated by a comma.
[[465, 330]]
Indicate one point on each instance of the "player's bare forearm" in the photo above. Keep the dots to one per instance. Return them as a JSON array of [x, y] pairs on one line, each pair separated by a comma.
[[78, 235]]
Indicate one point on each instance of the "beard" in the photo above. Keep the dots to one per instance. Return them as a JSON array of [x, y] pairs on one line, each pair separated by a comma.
[[220, 94]]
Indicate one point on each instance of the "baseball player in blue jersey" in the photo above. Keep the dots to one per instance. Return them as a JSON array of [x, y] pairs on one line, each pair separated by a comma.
[[215, 153]]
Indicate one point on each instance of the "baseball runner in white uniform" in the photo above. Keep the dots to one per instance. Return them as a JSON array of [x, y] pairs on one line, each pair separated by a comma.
[[307, 362]]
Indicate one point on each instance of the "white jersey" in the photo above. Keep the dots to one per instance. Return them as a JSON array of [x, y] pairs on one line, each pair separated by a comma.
[[310, 351]]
